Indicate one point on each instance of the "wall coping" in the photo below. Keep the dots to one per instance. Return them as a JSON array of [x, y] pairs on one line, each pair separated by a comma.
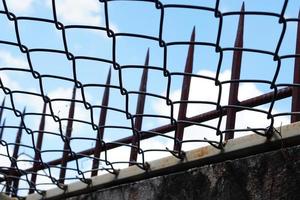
[[236, 148]]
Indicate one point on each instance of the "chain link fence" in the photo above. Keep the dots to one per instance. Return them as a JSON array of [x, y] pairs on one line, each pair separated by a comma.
[[110, 84]]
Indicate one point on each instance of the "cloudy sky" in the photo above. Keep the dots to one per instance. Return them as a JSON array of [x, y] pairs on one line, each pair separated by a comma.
[[135, 18]]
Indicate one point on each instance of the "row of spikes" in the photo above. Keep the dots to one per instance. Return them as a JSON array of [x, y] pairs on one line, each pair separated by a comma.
[[233, 93]]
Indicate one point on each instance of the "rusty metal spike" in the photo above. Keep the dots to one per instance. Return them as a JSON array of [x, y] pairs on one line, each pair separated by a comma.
[[2, 129], [2, 108], [240, 31], [235, 75], [15, 154], [147, 58], [67, 136], [185, 91], [18, 137], [37, 156], [140, 108], [71, 114], [141, 98], [296, 90], [1, 113], [102, 120]]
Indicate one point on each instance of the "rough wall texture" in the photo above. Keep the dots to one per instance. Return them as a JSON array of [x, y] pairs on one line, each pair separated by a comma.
[[272, 175]]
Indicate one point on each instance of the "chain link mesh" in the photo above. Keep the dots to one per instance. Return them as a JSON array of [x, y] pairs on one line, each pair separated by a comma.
[[102, 112]]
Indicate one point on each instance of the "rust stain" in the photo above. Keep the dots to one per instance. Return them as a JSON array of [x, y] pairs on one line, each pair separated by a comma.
[[201, 152], [133, 195]]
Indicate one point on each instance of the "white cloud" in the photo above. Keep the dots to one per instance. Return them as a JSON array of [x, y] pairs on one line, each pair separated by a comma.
[[78, 11], [117, 155], [18, 7], [24, 161], [202, 89], [44, 182], [154, 143], [205, 90], [61, 109], [8, 82], [5, 162], [8, 60]]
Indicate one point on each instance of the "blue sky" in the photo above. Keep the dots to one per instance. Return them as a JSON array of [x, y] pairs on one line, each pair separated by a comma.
[[261, 32]]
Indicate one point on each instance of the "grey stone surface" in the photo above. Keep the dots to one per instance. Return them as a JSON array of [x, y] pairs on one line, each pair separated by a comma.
[[272, 175]]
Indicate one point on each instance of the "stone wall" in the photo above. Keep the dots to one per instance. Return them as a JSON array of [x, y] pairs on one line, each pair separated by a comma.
[[272, 175]]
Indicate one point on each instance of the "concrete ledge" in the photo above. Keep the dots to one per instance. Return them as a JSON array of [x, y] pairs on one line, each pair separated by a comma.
[[272, 175], [3, 196], [237, 148]]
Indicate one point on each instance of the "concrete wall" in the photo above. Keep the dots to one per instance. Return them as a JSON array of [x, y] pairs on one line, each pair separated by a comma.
[[272, 175]]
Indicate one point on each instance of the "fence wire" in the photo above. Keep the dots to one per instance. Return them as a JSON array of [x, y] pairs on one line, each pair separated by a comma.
[[36, 157]]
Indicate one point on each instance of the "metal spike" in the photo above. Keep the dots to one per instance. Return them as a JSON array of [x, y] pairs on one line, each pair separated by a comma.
[[16, 153], [37, 156], [140, 109], [2, 129], [18, 137], [235, 75], [102, 120], [296, 90], [64, 161], [2, 108], [240, 30], [185, 92], [141, 97]]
